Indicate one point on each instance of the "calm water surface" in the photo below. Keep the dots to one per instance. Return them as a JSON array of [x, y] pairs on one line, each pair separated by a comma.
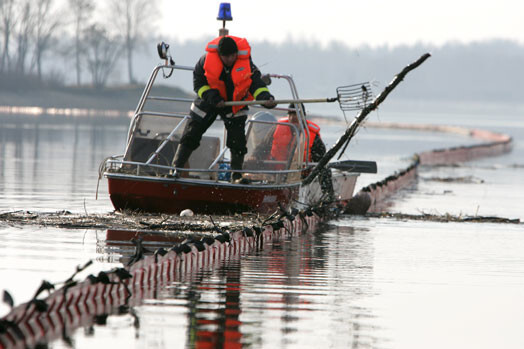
[[357, 282]]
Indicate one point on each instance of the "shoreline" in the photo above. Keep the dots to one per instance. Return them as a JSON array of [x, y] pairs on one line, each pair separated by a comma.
[[119, 98]]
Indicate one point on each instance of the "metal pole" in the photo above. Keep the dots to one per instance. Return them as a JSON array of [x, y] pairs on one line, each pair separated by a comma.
[[350, 131]]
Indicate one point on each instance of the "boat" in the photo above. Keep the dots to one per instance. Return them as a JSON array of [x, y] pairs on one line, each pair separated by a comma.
[[145, 179], [142, 179]]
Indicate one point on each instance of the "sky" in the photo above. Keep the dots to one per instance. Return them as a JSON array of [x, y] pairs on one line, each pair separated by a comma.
[[355, 23]]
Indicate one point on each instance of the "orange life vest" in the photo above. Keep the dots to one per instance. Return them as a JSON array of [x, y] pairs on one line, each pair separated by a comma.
[[240, 72], [283, 137]]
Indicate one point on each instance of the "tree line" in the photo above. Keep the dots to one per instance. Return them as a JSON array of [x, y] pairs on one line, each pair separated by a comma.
[[481, 71], [34, 31], [81, 41]]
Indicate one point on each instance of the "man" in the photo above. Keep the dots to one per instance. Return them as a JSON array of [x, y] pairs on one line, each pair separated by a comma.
[[225, 73], [314, 147]]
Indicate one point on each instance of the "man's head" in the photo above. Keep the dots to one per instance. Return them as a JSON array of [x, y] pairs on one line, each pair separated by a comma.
[[228, 51], [293, 117]]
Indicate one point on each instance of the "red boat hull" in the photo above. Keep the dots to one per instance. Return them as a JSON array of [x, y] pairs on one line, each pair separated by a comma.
[[173, 196]]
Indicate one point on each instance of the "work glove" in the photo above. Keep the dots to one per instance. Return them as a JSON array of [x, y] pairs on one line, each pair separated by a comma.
[[212, 97], [266, 96]]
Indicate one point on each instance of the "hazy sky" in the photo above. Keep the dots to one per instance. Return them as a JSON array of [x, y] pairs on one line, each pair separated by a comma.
[[373, 22]]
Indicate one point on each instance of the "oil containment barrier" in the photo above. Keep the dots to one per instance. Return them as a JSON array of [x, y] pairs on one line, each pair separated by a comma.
[[372, 198], [79, 304], [74, 304]]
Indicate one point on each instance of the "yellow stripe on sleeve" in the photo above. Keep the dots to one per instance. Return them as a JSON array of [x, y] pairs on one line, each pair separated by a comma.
[[202, 90], [259, 91]]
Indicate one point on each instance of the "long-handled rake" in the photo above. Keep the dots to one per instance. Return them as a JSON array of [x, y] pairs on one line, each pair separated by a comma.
[[359, 119], [350, 97]]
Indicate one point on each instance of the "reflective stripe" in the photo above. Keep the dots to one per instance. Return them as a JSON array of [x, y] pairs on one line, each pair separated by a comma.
[[198, 111], [313, 126], [240, 113], [212, 46], [259, 91], [202, 90], [242, 52]]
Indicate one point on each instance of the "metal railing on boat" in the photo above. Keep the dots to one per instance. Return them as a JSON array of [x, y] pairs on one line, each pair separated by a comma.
[[144, 165], [115, 166]]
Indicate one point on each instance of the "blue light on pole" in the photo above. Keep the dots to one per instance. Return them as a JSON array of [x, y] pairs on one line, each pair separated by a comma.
[[224, 12]]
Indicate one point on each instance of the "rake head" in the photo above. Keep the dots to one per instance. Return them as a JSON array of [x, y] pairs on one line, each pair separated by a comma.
[[354, 97]]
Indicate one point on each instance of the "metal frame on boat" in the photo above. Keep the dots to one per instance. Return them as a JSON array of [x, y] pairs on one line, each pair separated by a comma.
[[142, 179]]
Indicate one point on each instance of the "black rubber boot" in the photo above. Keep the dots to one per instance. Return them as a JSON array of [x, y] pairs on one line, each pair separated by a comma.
[[181, 157], [237, 160]]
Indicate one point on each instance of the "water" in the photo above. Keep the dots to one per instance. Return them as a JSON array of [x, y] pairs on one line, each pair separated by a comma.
[[50, 167], [357, 282]]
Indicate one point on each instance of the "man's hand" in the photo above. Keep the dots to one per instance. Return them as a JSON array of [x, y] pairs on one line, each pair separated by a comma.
[[213, 98], [270, 104]]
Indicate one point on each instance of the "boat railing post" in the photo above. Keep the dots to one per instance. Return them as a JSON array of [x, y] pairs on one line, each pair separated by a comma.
[[302, 117], [300, 113], [217, 159], [147, 89], [168, 138], [249, 127], [141, 104]]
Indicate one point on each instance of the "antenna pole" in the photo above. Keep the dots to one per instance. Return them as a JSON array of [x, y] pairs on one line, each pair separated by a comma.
[[223, 31]]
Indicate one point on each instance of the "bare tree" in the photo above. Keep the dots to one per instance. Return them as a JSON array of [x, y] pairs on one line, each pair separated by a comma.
[[23, 32], [7, 23], [46, 23], [102, 53], [82, 11], [132, 19]]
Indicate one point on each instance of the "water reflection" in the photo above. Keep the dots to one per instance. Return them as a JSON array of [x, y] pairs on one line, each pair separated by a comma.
[[215, 324], [276, 296], [358, 283], [36, 148], [46, 165], [271, 297], [75, 157]]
